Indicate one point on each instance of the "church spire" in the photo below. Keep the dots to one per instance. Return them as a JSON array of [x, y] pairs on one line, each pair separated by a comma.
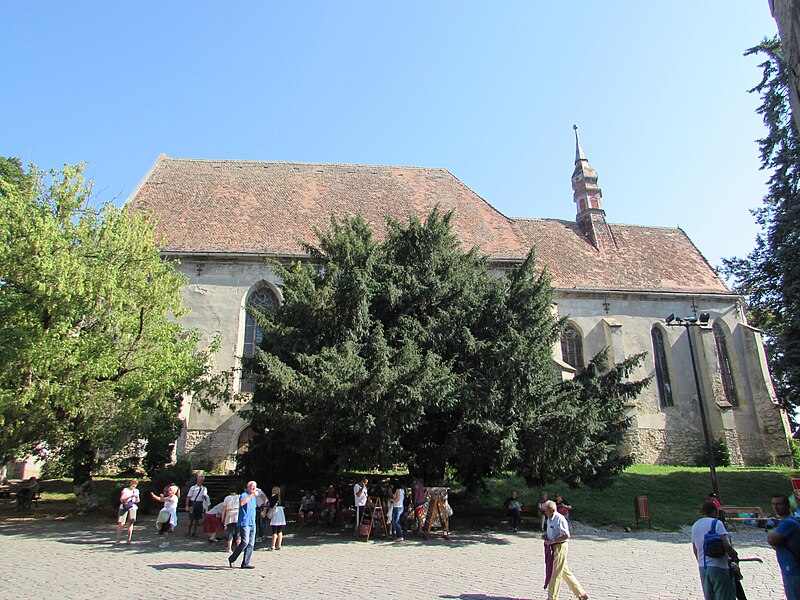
[[579, 155], [587, 196]]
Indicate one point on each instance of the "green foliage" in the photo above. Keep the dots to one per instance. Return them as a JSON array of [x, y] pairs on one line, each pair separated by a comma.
[[796, 453], [91, 356], [410, 352], [591, 429], [178, 473], [769, 277], [722, 457]]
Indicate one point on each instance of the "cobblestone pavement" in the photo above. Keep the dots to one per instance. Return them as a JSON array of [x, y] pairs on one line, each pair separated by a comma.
[[63, 559]]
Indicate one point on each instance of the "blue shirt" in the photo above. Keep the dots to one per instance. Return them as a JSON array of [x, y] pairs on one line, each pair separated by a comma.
[[247, 511], [790, 529]]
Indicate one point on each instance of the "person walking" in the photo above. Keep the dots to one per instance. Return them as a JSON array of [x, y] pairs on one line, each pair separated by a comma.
[[398, 508], [230, 516], [715, 575], [128, 507], [196, 504], [277, 518], [246, 525], [786, 541], [168, 516], [555, 541]]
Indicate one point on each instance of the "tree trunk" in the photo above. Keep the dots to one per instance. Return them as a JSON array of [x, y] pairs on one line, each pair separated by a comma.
[[83, 463]]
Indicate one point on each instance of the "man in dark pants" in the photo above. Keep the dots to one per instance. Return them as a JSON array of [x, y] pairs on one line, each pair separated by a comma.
[[246, 526], [196, 504]]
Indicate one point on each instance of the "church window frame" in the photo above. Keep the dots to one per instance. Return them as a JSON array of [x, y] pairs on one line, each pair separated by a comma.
[[572, 346], [263, 296], [663, 379], [726, 370]]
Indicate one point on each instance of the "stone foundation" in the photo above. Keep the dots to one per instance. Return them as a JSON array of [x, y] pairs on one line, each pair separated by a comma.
[[207, 448]]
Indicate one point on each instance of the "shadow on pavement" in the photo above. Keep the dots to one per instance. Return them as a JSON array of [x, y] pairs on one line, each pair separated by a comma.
[[189, 566], [479, 597]]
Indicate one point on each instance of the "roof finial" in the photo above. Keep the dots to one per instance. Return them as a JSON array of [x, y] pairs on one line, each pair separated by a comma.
[[579, 155]]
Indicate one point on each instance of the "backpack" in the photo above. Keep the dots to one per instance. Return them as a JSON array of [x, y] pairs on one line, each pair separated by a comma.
[[712, 542]]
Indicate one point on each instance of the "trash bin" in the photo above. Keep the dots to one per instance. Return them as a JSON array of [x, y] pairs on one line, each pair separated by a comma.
[[642, 510]]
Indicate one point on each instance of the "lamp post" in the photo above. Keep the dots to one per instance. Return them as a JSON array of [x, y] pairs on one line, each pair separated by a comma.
[[688, 323]]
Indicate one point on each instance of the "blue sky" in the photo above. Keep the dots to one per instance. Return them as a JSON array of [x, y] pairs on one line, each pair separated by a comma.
[[489, 91]]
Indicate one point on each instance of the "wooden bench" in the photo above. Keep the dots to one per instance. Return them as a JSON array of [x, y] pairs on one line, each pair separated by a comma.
[[732, 515], [25, 497], [528, 514]]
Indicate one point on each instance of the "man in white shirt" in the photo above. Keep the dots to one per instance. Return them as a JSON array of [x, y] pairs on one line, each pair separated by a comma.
[[196, 501], [555, 539], [715, 576], [360, 499]]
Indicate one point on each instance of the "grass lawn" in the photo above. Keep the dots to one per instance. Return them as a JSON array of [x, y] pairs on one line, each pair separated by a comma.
[[674, 493]]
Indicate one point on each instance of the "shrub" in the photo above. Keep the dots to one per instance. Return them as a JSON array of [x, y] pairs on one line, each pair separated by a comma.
[[722, 457]]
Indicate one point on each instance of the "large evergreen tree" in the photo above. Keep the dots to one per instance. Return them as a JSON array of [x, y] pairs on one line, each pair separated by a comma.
[[91, 356], [770, 275], [411, 352]]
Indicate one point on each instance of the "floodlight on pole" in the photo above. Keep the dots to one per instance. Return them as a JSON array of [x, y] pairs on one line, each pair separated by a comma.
[[688, 323]]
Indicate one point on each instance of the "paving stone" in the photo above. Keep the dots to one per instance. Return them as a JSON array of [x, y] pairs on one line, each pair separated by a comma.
[[78, 560]]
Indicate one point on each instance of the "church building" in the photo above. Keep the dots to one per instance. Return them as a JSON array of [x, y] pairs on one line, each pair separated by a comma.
[[615, 283]]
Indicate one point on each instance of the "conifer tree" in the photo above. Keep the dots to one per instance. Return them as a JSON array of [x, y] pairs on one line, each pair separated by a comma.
[[411, 352], [769, 277]]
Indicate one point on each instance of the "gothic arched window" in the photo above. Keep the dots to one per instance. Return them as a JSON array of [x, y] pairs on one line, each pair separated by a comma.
[[262, 298], [662, 369], [572, 347], [725, 367]]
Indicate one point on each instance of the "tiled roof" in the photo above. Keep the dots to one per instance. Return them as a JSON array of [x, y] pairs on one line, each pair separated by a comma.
[[659, 259], [248, 207]]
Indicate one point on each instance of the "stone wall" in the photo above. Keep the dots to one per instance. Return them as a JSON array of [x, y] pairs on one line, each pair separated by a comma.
[[755, 430], [208, 449], [665, 446]]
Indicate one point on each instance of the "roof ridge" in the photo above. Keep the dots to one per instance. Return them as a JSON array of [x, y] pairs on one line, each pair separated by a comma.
[[668, 227], [321, 164]]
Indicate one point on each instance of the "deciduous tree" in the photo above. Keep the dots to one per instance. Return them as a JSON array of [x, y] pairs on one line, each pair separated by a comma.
[[91, 355]]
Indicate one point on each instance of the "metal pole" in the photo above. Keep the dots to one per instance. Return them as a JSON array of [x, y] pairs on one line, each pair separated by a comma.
[[706, 434]]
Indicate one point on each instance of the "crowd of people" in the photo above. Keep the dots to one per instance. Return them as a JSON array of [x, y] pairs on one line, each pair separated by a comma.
[[243, 519], [253, 516]]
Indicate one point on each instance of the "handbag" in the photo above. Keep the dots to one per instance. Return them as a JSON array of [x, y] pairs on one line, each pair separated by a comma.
[[163, 516], [271, 512]]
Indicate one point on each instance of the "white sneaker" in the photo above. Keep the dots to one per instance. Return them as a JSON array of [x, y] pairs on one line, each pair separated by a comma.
[[164, 545]]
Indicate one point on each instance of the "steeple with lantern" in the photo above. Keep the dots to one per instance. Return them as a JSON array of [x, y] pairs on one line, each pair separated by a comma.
[[588, 201]]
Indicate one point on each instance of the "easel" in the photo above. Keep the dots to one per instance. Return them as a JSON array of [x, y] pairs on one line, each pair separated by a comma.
[[437, 507], [377, 512]]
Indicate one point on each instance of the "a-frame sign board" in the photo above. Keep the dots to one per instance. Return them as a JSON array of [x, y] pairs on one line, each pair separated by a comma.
[[365, 529], [437, 507]]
